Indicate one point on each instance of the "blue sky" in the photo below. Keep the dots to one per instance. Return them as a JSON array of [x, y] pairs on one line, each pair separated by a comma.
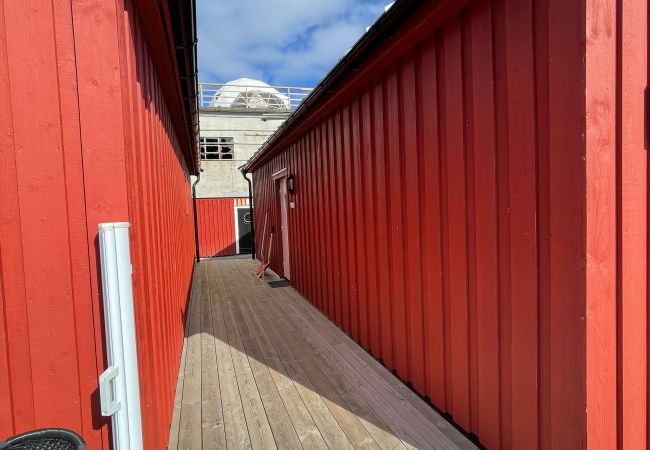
[[281, 42]]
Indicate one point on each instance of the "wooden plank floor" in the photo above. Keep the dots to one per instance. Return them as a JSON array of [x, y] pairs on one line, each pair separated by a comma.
[[262, 368]]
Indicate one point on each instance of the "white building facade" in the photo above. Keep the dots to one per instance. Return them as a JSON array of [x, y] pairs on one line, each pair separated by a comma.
[[235, 119]]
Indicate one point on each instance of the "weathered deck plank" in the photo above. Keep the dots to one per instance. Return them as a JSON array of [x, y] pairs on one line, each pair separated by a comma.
[[262, 368], [189, 435], [212, 422]]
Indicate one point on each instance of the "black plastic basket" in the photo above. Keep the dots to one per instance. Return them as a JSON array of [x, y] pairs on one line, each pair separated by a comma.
[[47, 439]]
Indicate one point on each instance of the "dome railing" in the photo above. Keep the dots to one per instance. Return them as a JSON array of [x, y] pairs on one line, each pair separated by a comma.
[[223, 95]]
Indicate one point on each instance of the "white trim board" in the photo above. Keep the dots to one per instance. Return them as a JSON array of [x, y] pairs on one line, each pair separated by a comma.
[[279, 174], [236, 207]]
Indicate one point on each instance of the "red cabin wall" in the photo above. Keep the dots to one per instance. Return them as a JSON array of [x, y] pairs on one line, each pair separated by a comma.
[[471, 207], [86, 137], [216, 218], [162, 233]]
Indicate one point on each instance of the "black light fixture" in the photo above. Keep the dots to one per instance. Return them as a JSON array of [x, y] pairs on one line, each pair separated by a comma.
[[291, 187]]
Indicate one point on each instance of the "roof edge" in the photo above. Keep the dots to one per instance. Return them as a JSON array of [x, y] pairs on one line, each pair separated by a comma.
[[170, 26], [379, 37], [184, 29]]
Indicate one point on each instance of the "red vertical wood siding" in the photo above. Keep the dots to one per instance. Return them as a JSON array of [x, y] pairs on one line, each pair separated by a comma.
[[86, 137], [471, 206], [160, 211], [216, 217], [617, 190]]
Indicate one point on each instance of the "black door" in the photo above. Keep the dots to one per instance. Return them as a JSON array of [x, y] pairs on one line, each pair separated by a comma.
[[244, 239]]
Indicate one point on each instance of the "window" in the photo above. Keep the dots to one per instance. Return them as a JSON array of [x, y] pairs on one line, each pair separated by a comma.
[[215, 148]]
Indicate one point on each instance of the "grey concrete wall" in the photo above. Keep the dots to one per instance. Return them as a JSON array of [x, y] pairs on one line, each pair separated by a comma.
[[249, 130]]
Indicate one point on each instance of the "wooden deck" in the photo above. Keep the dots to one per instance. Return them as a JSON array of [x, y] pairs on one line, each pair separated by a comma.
[[262, 368]]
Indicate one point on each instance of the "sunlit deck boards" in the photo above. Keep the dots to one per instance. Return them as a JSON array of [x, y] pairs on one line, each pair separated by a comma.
[[262, 368]]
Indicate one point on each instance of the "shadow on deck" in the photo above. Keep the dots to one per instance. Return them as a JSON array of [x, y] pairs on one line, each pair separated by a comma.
[[262, 368]]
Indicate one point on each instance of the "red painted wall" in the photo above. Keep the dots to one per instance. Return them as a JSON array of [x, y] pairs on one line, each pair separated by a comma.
[[86, 137], [617, 232], [471, 207], [216, 217]]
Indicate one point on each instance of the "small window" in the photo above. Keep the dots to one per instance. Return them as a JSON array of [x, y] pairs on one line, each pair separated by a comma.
[[216, 148]]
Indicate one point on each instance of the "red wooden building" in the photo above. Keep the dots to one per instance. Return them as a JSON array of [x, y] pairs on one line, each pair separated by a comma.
[[96, 125], [469, 203], [219, 222]]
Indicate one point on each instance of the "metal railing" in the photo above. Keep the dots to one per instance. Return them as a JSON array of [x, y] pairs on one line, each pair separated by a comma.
[[220, 95]]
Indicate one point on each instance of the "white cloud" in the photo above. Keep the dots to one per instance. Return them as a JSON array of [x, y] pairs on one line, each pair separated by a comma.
[[286, 42]]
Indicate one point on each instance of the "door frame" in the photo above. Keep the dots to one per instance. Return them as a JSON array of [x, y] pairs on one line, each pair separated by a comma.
[[236, 208], [281, 177]]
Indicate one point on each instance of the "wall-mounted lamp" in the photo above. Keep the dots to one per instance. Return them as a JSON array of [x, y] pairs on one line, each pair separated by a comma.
[[291, 184]]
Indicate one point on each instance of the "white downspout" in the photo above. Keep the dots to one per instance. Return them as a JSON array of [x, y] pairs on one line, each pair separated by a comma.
[[119, 386]]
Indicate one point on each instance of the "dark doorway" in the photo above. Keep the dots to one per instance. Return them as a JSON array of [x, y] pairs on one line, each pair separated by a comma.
[[244, 240]]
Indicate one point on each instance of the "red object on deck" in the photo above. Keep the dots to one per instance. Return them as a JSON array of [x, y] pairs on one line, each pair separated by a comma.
[[91, 131], [471, 206], [265, 263]]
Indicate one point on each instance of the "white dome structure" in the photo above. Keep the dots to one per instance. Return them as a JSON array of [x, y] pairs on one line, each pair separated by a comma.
[[249, 93]]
